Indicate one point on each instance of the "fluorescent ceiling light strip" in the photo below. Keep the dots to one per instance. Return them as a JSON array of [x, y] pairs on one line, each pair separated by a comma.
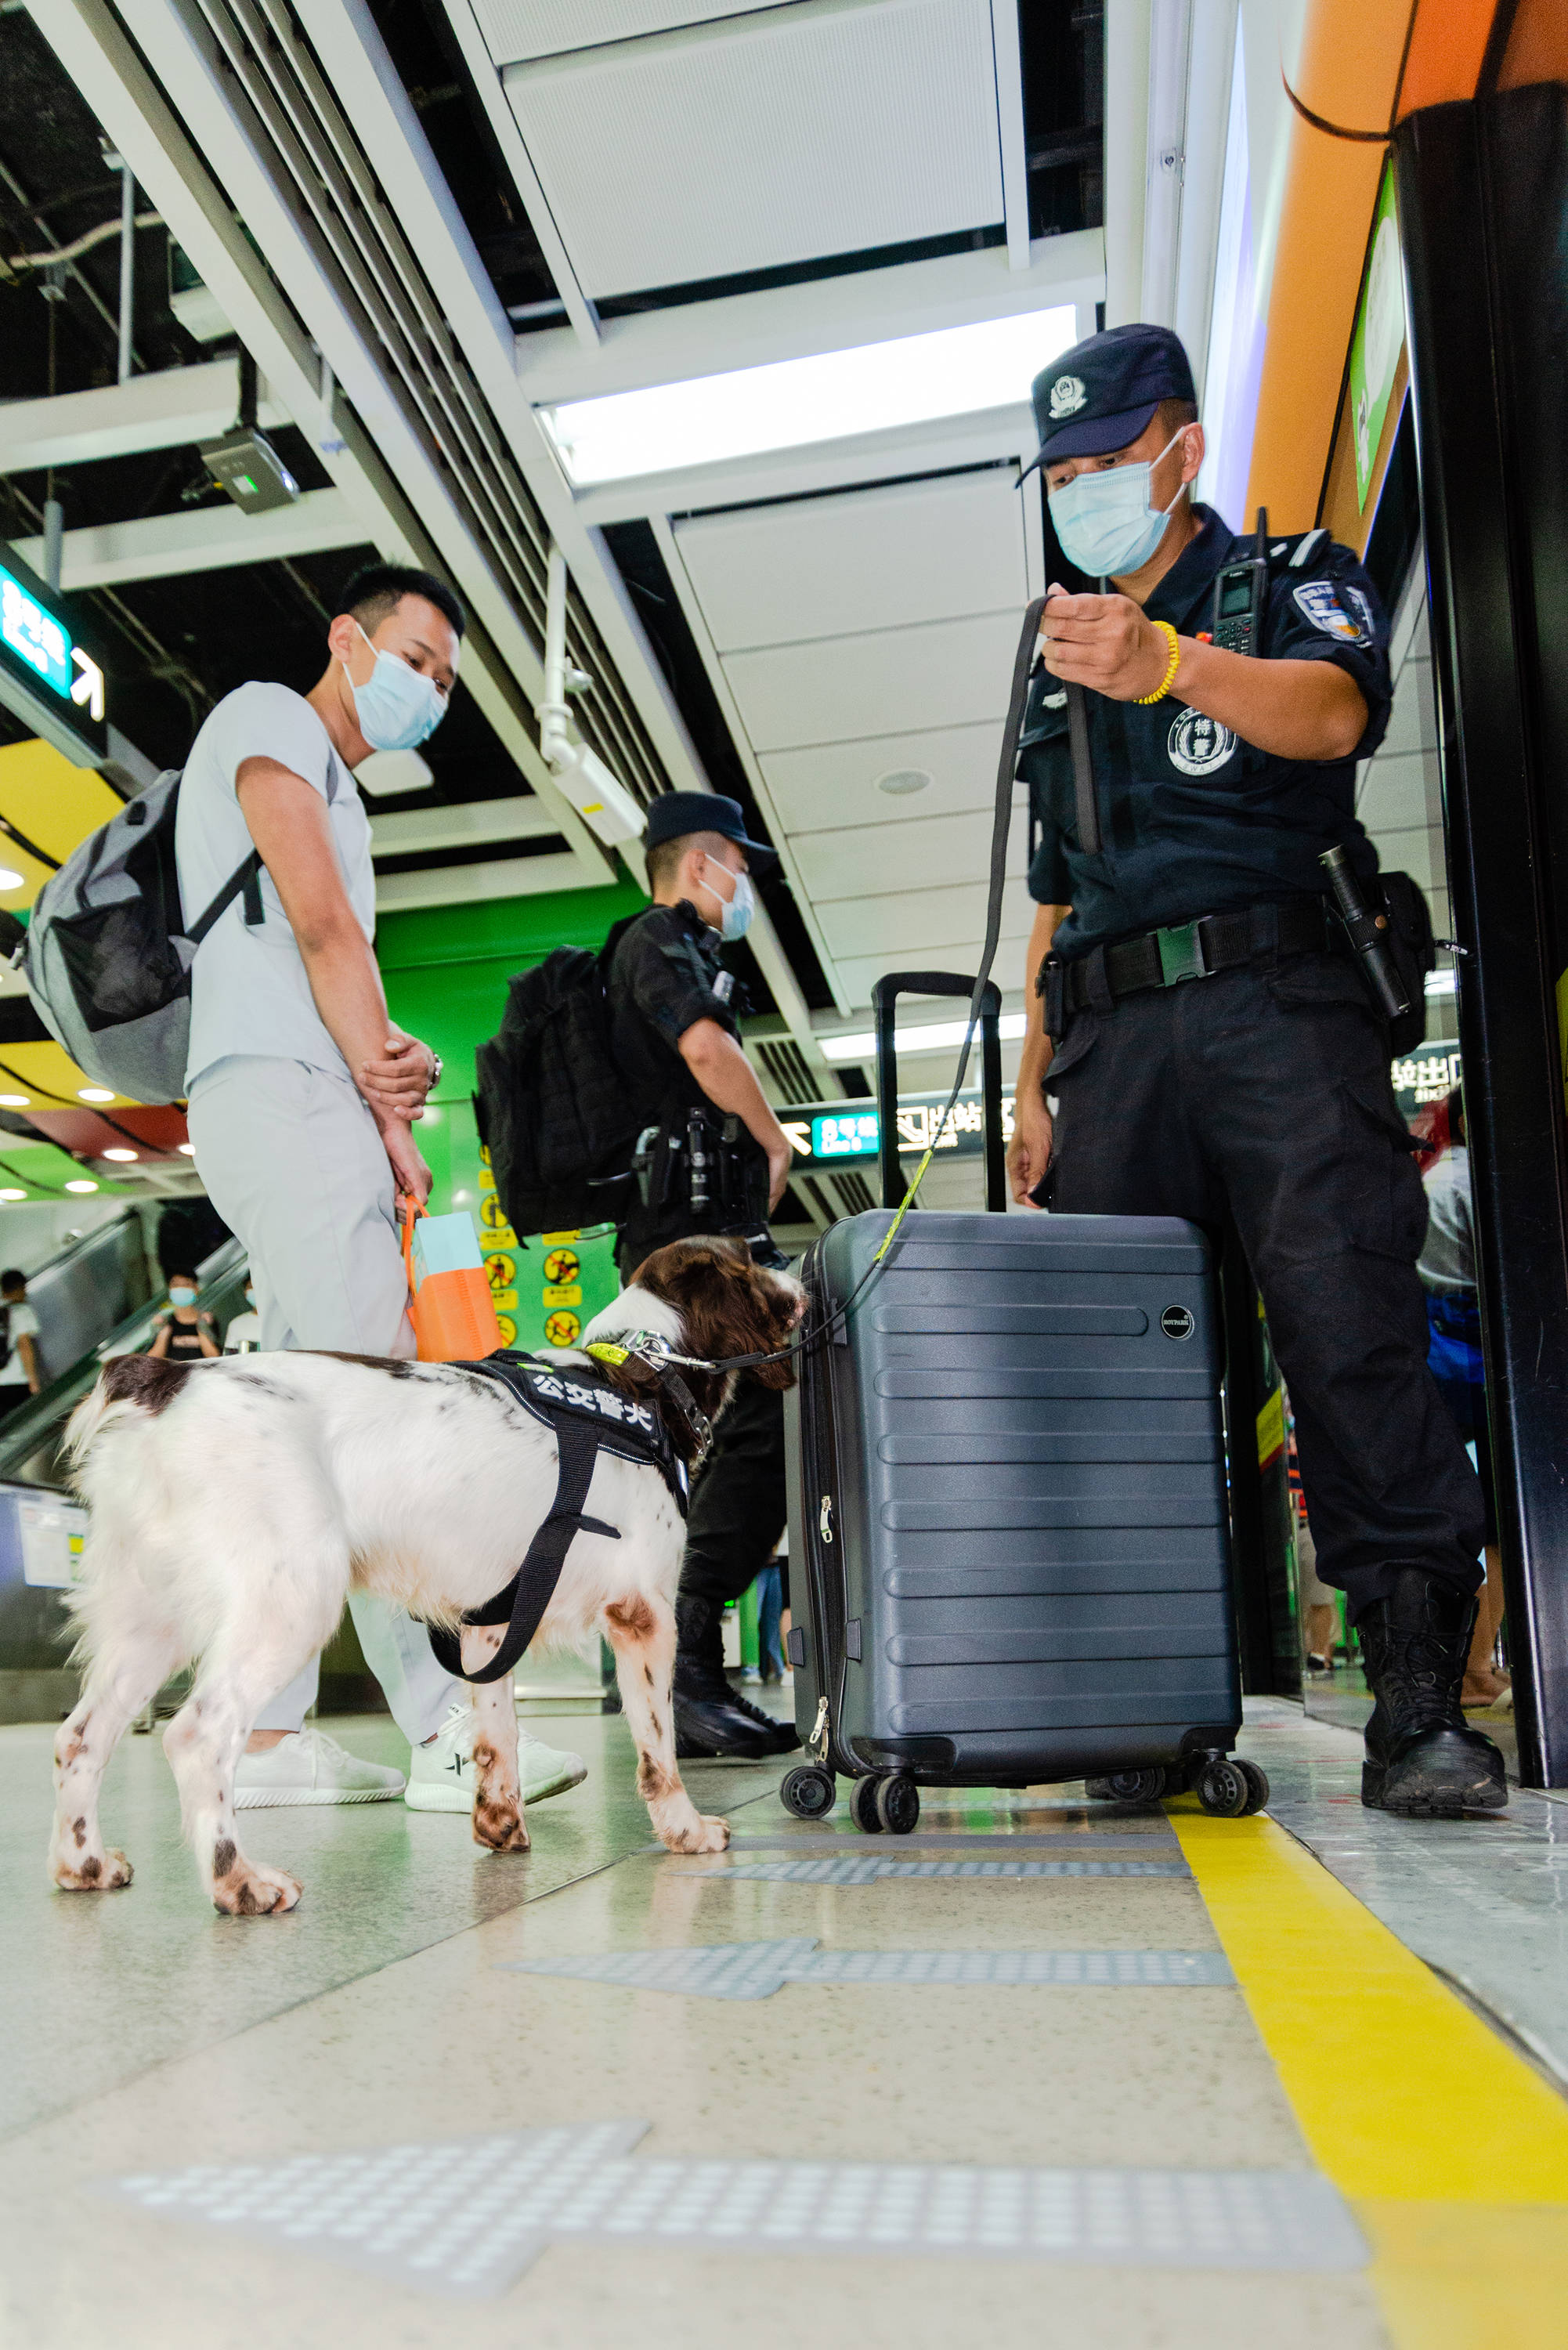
[[956, 371], [935, 1039]]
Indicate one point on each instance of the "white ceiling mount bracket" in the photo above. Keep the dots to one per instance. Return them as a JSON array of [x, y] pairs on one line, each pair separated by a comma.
[[601, 802]]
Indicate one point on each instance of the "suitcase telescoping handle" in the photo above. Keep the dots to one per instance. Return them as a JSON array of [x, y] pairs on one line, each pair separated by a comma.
[[884, 997]]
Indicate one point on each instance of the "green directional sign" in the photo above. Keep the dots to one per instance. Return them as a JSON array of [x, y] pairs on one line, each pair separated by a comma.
[[50, 681]]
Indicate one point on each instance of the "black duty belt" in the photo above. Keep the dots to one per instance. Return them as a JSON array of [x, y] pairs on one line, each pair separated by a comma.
[[1182, 951], [588, 1417]]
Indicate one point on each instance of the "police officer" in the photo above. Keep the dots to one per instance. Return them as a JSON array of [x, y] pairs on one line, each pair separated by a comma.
[[714, 1159], [1210, 1049]]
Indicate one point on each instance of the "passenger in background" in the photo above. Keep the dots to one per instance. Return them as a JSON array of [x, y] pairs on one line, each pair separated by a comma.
[[242, 1335], [22, 1372], [303, 1093], [185, 1335], [1447, 1271]]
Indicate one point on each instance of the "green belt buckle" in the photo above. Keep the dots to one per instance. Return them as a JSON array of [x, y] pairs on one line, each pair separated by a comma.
[[1180, 954]]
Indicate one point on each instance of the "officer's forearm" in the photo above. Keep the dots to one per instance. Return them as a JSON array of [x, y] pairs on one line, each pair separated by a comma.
[[1294, 708], [728, 1079], [1035, 1058]]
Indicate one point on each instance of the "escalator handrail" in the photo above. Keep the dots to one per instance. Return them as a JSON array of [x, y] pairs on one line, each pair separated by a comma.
[[28, 1427]]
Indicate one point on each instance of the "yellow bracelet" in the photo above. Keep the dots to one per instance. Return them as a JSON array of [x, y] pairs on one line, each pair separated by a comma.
[[1172, 665]]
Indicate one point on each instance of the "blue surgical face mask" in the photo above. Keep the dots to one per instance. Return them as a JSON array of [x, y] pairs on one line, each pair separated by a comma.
[[735, 918], [1105, 521], [397, 708], [182, 1296]]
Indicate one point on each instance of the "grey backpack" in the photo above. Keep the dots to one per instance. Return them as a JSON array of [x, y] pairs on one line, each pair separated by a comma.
[[108, 951]]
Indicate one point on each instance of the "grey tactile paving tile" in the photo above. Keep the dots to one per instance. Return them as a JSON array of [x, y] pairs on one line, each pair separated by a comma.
[[870, 1870], [757, 1969], [503, 2199]]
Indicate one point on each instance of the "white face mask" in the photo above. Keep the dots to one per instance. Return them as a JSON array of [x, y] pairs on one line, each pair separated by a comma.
[[398, 709], [737, 910], [1104, 521]]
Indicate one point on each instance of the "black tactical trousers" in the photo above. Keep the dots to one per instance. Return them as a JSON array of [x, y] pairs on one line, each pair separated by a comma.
[[1265, 1092], [738, 1512]]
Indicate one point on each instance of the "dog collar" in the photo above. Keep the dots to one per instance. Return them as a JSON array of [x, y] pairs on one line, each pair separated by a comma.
[[658, 1355]]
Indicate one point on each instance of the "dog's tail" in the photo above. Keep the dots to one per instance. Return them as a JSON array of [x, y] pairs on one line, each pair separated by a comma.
[[129, 1383]]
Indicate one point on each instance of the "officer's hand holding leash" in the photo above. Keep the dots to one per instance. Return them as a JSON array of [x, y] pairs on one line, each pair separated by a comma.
[[1105, 642]]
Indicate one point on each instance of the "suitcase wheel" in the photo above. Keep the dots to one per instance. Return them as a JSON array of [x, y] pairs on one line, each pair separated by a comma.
[[897, 1803], [1131, 1786], [863, 1806], [1226, 1790], [1258, 1781], [808, 1791]]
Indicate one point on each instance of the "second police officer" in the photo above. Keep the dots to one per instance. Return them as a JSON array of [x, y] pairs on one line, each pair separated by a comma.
[[1205, 1044]]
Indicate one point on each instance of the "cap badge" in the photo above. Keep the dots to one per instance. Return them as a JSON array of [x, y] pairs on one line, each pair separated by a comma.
[[1067, 396]]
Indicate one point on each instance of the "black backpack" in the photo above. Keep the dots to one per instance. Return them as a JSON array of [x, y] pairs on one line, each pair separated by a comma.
[[557, 1116]]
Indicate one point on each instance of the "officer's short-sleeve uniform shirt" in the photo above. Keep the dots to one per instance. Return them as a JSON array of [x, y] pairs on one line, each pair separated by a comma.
[[664, 976], [1193, 820]]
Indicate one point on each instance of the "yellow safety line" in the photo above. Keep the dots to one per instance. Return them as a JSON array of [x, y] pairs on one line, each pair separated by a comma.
[[1453, 2149]]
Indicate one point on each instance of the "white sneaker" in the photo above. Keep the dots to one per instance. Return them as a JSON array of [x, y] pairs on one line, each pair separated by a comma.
[[308, 1767], [442, 1773]]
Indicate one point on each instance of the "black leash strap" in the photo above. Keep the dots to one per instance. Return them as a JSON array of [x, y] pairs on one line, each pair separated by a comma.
[[521, 1606], [1087, 806]]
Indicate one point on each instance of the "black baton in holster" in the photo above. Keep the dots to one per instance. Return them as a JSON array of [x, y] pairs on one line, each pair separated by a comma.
[[1367, 928]]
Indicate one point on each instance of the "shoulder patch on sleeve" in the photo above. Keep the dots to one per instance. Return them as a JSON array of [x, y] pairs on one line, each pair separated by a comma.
[[1317, 600]]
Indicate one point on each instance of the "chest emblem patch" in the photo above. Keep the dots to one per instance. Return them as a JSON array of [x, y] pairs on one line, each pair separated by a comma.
[[1318, 601], [1197, 744], [1067, 395]]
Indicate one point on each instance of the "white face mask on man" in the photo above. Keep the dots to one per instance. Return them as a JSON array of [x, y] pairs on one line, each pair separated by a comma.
[[398, 707], [736, 909]]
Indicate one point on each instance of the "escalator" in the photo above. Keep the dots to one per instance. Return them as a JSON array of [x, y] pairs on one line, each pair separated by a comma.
[[94, 1301]]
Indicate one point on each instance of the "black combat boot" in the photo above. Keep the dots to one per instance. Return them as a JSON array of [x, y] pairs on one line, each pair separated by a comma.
[[710, 1718], [1422, 1756]]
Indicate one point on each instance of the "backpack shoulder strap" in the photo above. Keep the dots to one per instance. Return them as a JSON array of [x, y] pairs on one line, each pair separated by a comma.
[[244, 882]]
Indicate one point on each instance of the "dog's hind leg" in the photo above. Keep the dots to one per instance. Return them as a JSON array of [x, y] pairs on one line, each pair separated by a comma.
[[144, 1657], [642, 1633], [498, 1789]]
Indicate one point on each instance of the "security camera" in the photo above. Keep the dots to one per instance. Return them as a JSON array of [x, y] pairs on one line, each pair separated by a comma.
[[602, 803]]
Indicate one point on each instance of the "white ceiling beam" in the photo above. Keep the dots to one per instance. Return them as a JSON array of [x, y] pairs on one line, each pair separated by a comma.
[[172, 546], [1170, 43], [1004, 42], [466, 885], [1128, 26], [828, 313], [408, 512], [150, 412], [413, 831], [346, 39], [486, 78]]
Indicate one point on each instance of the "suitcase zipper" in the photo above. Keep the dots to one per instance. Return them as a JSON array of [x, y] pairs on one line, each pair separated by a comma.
[[825, 1518]]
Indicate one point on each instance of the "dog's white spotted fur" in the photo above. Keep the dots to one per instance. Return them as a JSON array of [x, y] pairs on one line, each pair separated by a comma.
[[233, 1509]]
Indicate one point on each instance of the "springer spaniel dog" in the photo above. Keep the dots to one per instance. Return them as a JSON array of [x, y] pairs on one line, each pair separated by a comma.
[[236, 1502]]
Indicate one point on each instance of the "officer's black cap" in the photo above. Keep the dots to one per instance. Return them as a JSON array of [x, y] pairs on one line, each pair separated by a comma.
[[1100, 395], [676, 815]]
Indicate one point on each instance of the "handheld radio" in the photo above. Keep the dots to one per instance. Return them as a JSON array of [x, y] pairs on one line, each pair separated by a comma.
[[1236, 625]]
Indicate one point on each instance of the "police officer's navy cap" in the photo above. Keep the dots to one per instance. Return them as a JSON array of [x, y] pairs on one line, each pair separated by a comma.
[[675, 814], [1100, 395]]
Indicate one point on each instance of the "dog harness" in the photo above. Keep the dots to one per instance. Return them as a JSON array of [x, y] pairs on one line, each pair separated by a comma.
[[588, 1417]]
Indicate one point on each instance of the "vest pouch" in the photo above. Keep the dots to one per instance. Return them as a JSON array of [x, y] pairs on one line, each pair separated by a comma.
[[450, 1302]]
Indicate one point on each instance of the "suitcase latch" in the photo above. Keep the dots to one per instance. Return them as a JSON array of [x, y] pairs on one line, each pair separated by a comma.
[[825, 1518]]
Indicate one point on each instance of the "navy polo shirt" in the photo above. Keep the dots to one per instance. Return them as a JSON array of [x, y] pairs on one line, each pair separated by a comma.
[[1193, 820]]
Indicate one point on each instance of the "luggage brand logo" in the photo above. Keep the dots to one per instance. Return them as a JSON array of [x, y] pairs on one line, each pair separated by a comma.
[[1177, 1322]]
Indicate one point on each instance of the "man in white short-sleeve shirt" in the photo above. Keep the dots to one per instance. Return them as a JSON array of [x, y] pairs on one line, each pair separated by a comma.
[[303, 1093], [21, 1374]]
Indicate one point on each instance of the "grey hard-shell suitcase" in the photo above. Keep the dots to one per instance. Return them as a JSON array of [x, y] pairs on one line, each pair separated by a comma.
[[1009, 1547]]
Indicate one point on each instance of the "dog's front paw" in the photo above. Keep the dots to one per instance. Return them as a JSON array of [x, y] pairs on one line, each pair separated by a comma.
[[92, 1874], [249, 1890], [699, 1834], [499, 1826]]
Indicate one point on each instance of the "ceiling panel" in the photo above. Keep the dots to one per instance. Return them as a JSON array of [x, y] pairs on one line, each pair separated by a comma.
[[516, 29], [834, 784], [821, 566], [773, 136], [931, 853], [900, 927], [947, 673]]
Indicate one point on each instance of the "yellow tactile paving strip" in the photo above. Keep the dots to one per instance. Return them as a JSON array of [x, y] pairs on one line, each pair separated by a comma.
[[1453, 2151]]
